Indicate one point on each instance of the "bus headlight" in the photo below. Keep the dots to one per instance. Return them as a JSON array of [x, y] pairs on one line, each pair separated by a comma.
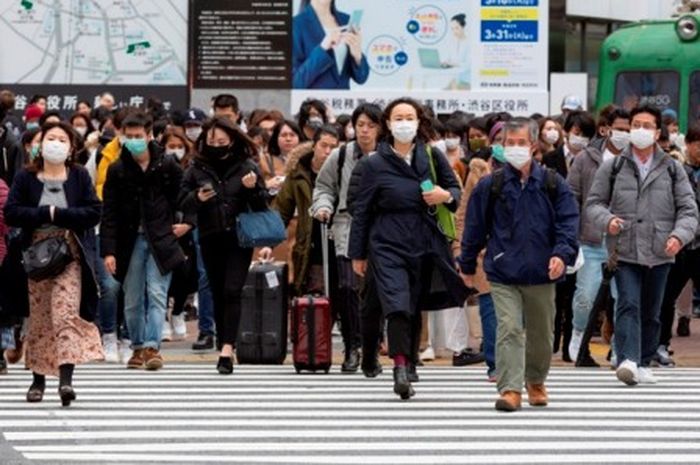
[[687, 28]]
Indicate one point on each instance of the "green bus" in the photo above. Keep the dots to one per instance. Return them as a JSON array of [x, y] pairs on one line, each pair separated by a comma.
[[653, 62]]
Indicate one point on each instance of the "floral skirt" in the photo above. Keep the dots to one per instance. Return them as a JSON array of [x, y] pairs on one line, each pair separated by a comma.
[[57, 335]]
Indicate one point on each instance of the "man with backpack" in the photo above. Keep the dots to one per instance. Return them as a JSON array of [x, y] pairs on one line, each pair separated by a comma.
[[527, 218], [645, 203]]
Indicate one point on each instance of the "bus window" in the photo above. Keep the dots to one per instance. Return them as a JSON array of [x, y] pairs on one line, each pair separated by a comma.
[[694, 102], [657, 88]]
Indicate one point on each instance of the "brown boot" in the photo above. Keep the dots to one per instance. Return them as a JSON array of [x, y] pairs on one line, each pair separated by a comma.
[[136, 361], [510, 401], [153, 359], [537, 395]]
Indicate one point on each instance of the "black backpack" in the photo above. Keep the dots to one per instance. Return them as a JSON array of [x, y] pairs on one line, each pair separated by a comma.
[[496, 192]]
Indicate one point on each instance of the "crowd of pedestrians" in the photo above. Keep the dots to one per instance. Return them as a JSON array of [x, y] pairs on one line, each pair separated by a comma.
[[487, 238]]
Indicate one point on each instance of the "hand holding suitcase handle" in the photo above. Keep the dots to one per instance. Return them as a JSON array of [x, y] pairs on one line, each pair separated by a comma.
[[265, 255]]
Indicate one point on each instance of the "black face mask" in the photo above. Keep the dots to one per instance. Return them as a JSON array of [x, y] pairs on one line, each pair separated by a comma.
[[216, 153]]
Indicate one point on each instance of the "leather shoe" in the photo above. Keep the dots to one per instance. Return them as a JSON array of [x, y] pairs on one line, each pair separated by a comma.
[[67, 395], [373, 370], [35, 394], [225, 365], [510, 401], [467, 357], [352, 361], [413, 373], [537, 395], [402, 386]]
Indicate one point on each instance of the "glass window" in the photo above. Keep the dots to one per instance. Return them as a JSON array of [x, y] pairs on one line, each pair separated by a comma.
[[658, 88], [694, 103]]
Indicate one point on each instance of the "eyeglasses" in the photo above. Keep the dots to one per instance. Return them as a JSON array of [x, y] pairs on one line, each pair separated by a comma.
[[639, 125]]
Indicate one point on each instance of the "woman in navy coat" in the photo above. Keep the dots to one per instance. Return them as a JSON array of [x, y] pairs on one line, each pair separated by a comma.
[[394, 225], [322, 43]]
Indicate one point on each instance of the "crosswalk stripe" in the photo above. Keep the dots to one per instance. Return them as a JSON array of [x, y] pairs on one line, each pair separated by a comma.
[[186, 414]]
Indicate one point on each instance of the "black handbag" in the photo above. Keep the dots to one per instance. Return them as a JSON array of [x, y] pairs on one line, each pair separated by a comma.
[[47, 258]]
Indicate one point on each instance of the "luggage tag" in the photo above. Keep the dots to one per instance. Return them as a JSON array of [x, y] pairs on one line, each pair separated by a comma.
[[271, 278]]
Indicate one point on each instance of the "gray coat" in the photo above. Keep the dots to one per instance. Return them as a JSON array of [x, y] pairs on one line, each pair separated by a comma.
[[580, 179], [653, 210], [326, 193]]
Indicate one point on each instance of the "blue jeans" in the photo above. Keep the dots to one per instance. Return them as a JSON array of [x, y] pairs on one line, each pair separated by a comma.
[[143, 276], [108, 304], [588, 280], [204, 297], [637, 324], [487, 312]]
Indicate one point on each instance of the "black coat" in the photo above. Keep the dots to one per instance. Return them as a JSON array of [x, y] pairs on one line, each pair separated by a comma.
[[81, 217], [11, 156], [556, 160], [134, 197], [219, 213], [393, 227]]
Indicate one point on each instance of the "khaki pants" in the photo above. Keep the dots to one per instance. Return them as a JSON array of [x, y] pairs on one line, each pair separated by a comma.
[[525, 334]]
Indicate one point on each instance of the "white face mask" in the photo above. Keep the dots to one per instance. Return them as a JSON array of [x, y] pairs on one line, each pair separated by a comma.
[[82, 130], [674, 137], [440, 145], [404, 131], [517, 156], [551, 136], [452, 143], [349, 133], [55, 152], [193, 133], [642, 138], [619, 139], [177, 153], [577, 143]]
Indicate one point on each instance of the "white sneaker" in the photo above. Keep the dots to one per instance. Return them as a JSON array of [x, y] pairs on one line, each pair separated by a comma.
[[111, 349], [575, 344], [179, 327], [167, 334], [646, 376], [628, 373], [428, 354], [125, 351]]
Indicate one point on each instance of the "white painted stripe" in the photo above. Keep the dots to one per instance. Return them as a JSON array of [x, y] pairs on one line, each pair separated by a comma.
[[373, 407], [472, 431], [368, 446], [372, 459], [396, 423]]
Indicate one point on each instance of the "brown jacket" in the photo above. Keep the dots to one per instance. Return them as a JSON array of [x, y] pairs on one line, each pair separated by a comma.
[[271, 166], [478, 169]]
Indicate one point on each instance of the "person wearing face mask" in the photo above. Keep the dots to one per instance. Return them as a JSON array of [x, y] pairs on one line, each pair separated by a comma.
[[54, 197], [550, 137], [478, 139], [192, 123], [312, 115], [11, 155], [395, 228], [31, 143], [139, 235], [453, 148], [221, 183], [32, 115], [529, 231], [644, 202], [593, 247], [579, 127], [330, 201]]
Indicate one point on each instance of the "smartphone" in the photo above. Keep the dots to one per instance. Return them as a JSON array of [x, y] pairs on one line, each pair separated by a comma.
[[427, 185], [355, 20]]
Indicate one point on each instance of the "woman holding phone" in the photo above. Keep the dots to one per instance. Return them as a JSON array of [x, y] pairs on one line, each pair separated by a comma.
[[326, 47], [395, 227], [222, 182]]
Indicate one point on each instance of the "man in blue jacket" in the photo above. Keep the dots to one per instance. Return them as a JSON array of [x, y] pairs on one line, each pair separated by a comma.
[[527, 218]]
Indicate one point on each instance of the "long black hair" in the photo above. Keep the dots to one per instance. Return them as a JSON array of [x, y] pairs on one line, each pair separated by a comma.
[[241, 145]]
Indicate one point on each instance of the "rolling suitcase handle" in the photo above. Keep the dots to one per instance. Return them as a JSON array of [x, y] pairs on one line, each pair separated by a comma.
[[324, 251]]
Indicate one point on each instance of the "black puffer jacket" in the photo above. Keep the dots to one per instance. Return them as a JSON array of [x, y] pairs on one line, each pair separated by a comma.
[[133, 197], [354, 184], [219, 214]]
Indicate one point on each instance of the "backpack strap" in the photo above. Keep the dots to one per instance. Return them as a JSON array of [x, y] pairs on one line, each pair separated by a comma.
[[550, 185], [342, 153], [616, 168]]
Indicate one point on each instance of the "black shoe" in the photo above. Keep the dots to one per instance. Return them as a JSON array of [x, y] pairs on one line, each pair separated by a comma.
[[402, 385], [412, 373], [204, 342], [683, 328], [67, 395], [35, 393], [225, 365], [585, 360], [372, 371], [352, 361], [467, 357]]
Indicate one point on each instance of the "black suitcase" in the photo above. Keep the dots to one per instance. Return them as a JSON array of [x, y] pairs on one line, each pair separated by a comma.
[[262, 335]]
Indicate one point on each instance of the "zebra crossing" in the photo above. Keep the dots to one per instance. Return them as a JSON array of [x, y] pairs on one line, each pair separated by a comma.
[[189, 414]]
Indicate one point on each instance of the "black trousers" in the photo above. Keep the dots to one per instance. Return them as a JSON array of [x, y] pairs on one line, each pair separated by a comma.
[[687, 267], [348, 304], [403, 334], [371, 317], [563, 321], [227, 268]]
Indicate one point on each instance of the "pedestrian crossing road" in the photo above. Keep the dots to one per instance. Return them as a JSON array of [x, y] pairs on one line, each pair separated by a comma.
[[189, 414]]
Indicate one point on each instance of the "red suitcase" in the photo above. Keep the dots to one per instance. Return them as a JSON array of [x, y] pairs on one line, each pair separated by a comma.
[[312, 323]]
